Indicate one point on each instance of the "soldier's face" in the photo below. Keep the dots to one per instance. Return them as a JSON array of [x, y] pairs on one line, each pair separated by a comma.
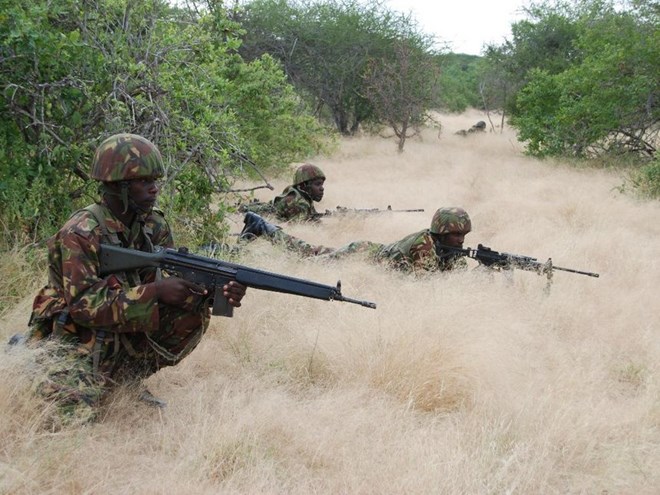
[[144, 193], [452, 239], [315, 189]]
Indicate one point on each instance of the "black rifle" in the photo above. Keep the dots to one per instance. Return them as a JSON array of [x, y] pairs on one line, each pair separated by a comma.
[[344, 210], [506, 261], [213, 274]]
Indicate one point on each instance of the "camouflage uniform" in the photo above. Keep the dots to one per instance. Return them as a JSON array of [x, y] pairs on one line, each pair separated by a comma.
[[262, 208], [415, 252], [298, 245], [293, 204], [112, 328]]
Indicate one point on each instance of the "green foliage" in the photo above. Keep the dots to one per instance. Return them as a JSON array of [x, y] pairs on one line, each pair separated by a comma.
[[43, 98], [459, 82], [329, 50], [646, 181], [585, 79], [270, 112], [74, 72], [544, 41], [540, 99]]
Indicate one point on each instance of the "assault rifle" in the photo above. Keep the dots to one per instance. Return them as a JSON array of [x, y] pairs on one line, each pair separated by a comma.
[[506, 261], [344, 210], [213, 274]]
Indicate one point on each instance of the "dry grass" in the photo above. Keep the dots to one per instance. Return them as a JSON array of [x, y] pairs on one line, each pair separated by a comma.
[[17, 274], [459, 383]]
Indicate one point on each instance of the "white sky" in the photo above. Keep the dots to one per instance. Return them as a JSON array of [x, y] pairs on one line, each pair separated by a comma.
[[465, 24]]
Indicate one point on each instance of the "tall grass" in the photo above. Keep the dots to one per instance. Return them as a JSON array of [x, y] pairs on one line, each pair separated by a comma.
[[22, 270], [470, 382]]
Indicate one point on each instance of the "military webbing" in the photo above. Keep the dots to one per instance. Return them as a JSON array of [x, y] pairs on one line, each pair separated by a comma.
[[99, 335], [134, 280], [169, 356], [60, 321]]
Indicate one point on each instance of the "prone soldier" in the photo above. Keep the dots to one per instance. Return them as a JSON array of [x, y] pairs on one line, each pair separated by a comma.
[[422, 251], [296, 202]]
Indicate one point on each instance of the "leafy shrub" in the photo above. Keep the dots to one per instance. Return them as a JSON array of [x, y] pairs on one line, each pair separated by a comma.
[[646, 181]]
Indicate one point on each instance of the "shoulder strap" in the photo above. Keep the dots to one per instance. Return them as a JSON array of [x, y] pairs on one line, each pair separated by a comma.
[[107, 237]]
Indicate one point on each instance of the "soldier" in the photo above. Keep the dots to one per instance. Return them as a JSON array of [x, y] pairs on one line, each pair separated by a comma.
[[296, 203], [125, 326], [478, 127], [420, 251]]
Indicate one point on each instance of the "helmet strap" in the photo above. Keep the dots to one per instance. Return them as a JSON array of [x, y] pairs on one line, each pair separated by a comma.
[[124, 196], [302, 188], [106, 190], [446, 255]]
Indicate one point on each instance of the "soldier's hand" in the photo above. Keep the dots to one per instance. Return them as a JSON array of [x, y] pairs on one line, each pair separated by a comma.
[[234, 292], [176, 291]]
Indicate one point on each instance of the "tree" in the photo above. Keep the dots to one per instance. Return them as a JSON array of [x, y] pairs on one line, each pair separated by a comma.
[[325, 49], [544, 41], [402, 88], [458, 83], [496, 87], [607, 102]]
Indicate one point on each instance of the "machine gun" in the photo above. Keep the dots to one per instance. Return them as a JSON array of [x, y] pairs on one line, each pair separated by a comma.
[[213, 274], [506, 261]]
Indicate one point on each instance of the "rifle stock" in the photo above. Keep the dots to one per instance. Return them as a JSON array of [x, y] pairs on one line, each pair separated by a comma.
[[213, 274]]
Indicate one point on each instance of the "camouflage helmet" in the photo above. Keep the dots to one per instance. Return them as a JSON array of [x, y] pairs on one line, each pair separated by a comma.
[[451, 219], [125, 157], [307, 172]]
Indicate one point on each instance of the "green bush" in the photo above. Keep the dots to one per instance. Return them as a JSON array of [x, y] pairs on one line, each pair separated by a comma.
[[74, 72], [646, 181]]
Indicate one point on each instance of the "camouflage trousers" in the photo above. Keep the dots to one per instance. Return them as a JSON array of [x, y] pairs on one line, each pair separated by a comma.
[[291, 243], [303, 248], [76, 386], [371, 249], [260, 208]]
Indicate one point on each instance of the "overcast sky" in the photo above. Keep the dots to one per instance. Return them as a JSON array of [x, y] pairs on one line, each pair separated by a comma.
[[465, 24]]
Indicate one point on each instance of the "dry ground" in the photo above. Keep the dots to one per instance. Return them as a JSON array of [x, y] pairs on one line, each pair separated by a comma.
[[457, 384]]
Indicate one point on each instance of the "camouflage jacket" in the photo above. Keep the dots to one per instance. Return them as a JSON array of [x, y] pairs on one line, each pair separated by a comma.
[[416, 252], [294, 204], [76, 299]]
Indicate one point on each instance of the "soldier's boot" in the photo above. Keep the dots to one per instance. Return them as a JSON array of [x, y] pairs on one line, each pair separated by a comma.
[[17, 340], [256, 226], [150, 399]]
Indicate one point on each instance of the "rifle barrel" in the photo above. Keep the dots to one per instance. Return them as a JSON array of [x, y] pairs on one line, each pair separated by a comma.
[[589, 274], [366, 304], [345, 209]]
